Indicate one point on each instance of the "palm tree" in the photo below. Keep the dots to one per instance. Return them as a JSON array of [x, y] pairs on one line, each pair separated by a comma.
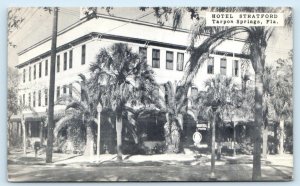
[[223, 91], [127, 79], [281, 98], [173, 102], [80, 108]]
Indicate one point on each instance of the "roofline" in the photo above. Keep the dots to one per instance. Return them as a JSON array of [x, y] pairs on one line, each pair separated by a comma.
[[83, 20], [94, 35]]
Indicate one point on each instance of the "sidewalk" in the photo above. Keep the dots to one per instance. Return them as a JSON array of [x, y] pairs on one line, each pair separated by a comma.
[[59, 159]]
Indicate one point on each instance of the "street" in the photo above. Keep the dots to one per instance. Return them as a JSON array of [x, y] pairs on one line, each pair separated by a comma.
[[227, 172]]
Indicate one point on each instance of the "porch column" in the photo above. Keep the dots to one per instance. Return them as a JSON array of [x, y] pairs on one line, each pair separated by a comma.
[[19, 129], [29, 129], [41, 133], [24, 134]]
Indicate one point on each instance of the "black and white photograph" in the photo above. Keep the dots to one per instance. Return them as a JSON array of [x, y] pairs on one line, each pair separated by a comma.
[[149, 94]]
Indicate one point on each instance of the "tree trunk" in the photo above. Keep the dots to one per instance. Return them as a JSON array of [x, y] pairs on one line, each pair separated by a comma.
[[175, 137], [234, 139], [219, 150], [89, 147], [265, 141], [180, 121], [258, 60], [281, 136], [119, 126], [167, 133], [276, 144], [219, 145], [256, 174]]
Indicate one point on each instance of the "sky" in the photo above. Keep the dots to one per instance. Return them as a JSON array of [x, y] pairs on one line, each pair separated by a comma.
[[38, 25]]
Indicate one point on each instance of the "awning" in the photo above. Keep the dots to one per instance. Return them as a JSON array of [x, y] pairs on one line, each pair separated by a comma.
[[37, 116]]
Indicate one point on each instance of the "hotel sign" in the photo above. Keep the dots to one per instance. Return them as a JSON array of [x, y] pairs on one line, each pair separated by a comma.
[[201, 126], [244, 19]]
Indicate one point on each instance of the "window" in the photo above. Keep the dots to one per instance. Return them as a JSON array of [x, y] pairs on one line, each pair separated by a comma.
[[223, 64], [210, 65], [33, 99], [57, 92], [57, 63], [83, 53], [39, 98], [65, 60], [235, 68], [24, 102], [180, 60], [46, 97], [24, 75], [194, 91], [46, 68], [29, 100], [70, 58], [143, 53], [70, 90], [169, 60], [65, 89], [34, 71], [29, 73], [155, 58], [40, 69]]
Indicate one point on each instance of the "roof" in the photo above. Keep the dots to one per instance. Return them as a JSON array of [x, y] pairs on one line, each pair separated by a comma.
[[83, 20]]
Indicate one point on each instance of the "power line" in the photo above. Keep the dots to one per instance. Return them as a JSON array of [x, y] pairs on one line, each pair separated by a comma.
[[128, 22]]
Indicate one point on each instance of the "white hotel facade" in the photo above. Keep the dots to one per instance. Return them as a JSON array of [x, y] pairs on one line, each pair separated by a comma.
[[78, 44]]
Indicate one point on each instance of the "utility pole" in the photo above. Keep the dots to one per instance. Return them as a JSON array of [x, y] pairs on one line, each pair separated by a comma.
[[51, 89]]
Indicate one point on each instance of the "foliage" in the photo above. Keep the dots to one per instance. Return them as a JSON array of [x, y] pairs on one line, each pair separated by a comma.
[[81, 109], [127, 83], [12, 92], [172, 100], [222, 91], [282, 89], [255, 46], [127, 79]]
